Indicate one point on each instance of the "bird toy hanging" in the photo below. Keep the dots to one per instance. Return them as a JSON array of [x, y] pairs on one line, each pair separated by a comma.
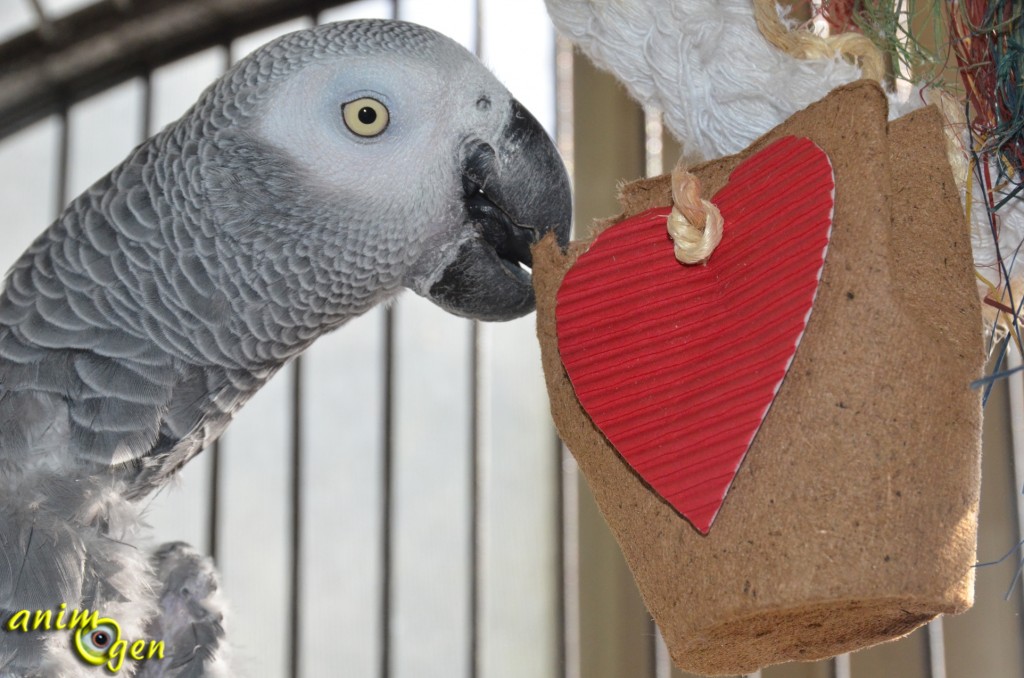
[[790, 475]]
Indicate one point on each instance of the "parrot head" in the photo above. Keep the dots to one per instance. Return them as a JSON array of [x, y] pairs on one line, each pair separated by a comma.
[[396, 155], [318, 177]]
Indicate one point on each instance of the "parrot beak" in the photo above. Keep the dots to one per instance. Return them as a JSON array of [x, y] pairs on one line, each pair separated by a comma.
[[515, 190]]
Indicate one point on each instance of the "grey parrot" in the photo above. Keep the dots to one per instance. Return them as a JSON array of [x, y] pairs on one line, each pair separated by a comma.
[[320, 176]]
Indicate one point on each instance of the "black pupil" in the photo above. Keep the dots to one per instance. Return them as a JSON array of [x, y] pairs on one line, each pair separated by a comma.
[[100, 638], [367, 115]]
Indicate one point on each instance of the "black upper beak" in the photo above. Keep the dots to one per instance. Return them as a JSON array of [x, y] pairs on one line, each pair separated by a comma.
[[515, 190]]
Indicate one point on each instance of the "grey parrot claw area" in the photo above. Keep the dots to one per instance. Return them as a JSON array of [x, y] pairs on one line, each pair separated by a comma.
[[190, 619]]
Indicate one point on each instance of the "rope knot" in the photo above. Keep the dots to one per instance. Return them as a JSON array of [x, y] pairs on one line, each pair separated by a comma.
[[694, 224]]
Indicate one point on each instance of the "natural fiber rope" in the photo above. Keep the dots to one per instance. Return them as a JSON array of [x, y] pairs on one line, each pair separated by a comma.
[[694, 224], [806, 45]]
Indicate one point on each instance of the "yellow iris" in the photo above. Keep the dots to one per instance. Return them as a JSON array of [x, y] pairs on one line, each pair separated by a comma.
[[366, 117]]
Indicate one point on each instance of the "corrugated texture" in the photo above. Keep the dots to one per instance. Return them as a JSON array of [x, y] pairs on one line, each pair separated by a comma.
[[678, 365], [853, 518]]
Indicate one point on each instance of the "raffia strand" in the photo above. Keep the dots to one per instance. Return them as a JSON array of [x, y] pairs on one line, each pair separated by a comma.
[[806, 45]]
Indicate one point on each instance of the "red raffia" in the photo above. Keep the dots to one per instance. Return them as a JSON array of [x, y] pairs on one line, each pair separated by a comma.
[[974, 43], [840, 14]]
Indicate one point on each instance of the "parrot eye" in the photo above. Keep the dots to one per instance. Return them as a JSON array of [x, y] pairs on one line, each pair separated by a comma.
[[94, 644], [366, 117]]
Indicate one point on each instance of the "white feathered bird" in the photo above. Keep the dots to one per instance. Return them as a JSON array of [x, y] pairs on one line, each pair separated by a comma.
[[721, 84]]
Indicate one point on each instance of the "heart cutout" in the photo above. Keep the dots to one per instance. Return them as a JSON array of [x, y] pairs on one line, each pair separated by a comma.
[[678, 365]]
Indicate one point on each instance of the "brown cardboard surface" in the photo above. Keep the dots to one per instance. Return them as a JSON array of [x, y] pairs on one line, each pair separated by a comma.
[[853, 518]]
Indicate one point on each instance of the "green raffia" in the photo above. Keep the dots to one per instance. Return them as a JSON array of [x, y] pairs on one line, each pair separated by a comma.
[[971, 49], [974, 51], [987, 39], [920, 52]]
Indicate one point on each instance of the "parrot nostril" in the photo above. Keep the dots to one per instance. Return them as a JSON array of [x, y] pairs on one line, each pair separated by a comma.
[[483, 103]]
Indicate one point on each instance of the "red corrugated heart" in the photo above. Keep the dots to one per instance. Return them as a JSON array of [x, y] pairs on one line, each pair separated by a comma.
[[678, 365]]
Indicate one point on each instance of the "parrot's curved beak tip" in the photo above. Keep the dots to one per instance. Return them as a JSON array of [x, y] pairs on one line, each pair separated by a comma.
[[515, 191], [510, 235]]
